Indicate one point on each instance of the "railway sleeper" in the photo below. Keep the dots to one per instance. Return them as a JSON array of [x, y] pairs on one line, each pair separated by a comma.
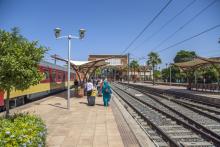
[[196, 144], [196, 135], [188, 119]]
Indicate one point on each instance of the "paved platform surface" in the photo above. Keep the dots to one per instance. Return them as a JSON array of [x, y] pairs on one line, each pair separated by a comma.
[[81, 126], [181, 89]]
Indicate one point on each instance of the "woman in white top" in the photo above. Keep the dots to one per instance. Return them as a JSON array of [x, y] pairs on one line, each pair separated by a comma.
[[89, 87]]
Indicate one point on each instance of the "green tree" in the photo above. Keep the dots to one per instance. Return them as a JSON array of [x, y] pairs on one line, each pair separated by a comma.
[[153, 60], [19, 61], [183, 56], [165, 73], [209, 73], [98, 72], [157, 74], [134, 65]]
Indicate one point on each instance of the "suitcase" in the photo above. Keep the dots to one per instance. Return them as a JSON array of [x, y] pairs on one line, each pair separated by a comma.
[[91, 100]]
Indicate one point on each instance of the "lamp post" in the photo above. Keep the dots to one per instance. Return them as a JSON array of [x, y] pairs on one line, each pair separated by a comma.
[[57, 33]]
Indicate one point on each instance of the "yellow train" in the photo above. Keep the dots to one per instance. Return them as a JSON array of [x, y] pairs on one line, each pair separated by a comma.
[[55, 81]]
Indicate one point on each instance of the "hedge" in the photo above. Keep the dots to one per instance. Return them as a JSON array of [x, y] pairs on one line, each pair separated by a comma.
[[22, 130]]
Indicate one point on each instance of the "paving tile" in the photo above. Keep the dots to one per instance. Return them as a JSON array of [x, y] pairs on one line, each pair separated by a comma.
[[100, 145], [56, 140], [116, 145], [85, 141], [100, 139], [81, 126]]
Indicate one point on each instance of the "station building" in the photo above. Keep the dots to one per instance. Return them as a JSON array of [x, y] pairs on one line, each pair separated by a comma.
[[117, 68]]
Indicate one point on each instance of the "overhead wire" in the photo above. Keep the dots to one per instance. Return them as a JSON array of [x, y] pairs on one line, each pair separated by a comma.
[[147, 26], [165, 24], [185, 24], [187, 39]]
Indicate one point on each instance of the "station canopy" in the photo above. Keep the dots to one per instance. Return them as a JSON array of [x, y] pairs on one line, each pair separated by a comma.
[[198, 62], [85, 67]]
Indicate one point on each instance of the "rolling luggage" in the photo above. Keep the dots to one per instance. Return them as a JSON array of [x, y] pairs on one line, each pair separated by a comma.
[[91, 97], [91, 100]]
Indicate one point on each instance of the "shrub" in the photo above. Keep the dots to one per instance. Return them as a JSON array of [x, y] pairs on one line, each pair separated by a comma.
[[21, 130]]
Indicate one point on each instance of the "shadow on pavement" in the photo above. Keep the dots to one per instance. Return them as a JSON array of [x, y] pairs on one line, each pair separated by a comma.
[[85, 103], [64, 94], [99, 104], [55, 105]]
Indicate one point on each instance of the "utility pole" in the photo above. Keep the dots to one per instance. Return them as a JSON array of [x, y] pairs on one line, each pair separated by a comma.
[[170, 75], [167, 76], [128, 71], [55, 59], [144, 71], [114, 74], [195, 77], [218, 76]]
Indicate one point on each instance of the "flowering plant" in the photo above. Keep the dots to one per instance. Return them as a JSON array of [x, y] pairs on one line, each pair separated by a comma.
[[21, 130]]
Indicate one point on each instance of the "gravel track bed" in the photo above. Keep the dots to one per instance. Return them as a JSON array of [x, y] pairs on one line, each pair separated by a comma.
[[203, 120], [208, 109], [177, 132]]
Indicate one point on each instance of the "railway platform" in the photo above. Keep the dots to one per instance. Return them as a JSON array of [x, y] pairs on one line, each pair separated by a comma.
[[209, 97], [86, 126]]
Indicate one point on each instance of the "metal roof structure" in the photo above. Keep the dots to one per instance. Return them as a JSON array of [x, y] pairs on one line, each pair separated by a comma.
[[87, 68], [198, 62]]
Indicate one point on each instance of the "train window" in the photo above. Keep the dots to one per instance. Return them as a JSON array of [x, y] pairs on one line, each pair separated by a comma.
[[54, 75], [64, 76], [71, 77], [46, 75], [59, 76]]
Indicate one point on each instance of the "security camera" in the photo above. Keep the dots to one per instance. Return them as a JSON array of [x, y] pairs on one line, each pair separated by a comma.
[[82, 33], [57, 32]]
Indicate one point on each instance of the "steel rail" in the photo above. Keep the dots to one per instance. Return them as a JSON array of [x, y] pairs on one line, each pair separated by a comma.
[[182, 104], [187, 96], [189, 106], [201, 107], [172, 143], [198, 128], [202, 102]]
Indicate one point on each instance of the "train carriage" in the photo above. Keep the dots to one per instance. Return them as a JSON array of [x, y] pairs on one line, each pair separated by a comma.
[[55, 80]]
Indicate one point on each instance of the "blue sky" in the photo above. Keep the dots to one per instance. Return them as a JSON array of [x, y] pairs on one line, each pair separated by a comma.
[[112, 24]]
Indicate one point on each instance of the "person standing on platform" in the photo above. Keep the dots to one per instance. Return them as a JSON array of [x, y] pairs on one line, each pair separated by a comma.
[[106, 92], [89, 88], [76, 83], [100, 84]]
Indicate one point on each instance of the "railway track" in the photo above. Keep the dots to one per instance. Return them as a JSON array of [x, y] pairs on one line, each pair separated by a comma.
[[178, 95], [176, 123], [209, 110], [196, 116]]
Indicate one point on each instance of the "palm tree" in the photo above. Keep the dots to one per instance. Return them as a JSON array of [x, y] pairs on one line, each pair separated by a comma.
[[153, 60], [134, 65]]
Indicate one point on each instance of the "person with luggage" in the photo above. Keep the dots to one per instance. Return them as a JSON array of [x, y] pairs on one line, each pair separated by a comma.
[[106, 92], [89, 88]]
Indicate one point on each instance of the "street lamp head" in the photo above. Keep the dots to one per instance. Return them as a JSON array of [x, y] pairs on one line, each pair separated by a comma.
[[57, 32], [82, 33]]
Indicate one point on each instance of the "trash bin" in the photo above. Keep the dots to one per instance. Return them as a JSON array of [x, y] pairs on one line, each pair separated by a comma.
[[91, 100]]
